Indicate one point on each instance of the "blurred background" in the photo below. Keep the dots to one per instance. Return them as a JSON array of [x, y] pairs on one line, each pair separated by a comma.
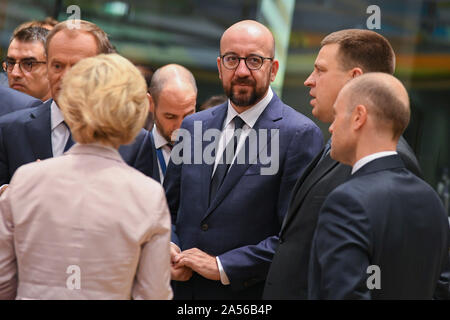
[[157, 32]]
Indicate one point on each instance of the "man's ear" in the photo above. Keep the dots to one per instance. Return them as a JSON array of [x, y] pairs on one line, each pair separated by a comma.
[[219, 68], [151, 103], [355, 72], [274, 70], [359, 117]]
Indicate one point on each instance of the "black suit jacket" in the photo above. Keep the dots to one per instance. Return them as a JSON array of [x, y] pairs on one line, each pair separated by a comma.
[[12, 100], [383, 216], [25, 136], [287, 278]]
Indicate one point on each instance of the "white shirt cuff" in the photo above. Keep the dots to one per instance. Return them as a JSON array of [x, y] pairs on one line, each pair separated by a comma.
[[223, 276]]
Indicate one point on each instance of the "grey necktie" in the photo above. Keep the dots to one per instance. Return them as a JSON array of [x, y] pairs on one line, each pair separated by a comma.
[[326, 150]]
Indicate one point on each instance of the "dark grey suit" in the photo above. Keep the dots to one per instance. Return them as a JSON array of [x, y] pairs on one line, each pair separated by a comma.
[[287, 278], [383, 216]]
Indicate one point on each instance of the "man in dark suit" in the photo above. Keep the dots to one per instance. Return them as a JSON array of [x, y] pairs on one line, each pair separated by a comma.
[[12, 100], [39, 133], [344, 55], [383, 234], [172, 97], [227, 212]]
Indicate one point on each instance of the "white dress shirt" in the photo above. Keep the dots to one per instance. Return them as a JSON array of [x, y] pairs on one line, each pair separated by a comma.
[[363, 161], [60, 132], [161, 143], [250, 117]]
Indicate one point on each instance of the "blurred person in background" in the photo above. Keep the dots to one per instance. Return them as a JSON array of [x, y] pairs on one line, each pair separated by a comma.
[[173, 96]]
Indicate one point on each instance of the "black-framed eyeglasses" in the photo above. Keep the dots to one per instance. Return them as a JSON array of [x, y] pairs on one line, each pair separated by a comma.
[[253, 61], [24, 65]]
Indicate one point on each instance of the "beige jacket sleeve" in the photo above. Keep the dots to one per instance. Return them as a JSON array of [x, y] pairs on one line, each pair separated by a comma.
[[152, 279], [8, 263]]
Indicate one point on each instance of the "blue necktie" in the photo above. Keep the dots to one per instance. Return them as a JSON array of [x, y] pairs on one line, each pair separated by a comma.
[[162, 161], [227, 157], [70, 141]]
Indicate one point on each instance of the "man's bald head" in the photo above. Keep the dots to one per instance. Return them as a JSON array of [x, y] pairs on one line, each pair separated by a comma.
[[252, 29], [246, 41], [385, 98], [173, 76], [173, 96]]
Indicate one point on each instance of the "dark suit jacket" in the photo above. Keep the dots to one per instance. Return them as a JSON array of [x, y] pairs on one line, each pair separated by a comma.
[[12, 100], [25, 136], [241, 223], [384, 216], [287, 278]]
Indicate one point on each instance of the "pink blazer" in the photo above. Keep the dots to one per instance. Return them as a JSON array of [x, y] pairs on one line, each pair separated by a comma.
[[84, 226]]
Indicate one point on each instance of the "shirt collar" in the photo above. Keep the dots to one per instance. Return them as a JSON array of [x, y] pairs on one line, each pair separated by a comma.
[[160, 141], [363, 161], [56, 116], [251, 115]]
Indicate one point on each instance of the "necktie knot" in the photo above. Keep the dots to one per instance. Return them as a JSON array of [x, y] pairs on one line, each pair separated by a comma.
[[238, 122]]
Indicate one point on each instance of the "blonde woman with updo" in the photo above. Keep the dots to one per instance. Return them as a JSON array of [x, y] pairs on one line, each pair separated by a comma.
[[86, 225]]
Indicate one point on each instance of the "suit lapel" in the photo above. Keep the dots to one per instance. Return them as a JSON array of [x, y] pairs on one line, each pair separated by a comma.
[[155, 166], [310, 177], [267, 120], [214, 122], [38, 130]]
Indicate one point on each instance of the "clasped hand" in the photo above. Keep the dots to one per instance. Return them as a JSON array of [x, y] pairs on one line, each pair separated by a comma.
[[183, 263]]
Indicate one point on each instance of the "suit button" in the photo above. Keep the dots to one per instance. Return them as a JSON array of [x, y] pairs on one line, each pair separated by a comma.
[[204, 227]]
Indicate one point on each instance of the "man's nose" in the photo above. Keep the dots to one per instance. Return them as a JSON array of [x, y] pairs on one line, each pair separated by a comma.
[[310, 81], [242, 69], [16, 71]]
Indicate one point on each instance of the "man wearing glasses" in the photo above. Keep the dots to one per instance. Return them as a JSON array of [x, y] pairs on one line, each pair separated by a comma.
[[226, 214], [25, 63]]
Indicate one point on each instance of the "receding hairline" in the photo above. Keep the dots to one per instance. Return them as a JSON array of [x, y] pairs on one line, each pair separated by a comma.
[[171, 75], [100, 36], [380, 80], [383, 95]]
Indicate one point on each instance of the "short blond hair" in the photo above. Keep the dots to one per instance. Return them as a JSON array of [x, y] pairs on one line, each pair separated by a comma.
[[104, 100]]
